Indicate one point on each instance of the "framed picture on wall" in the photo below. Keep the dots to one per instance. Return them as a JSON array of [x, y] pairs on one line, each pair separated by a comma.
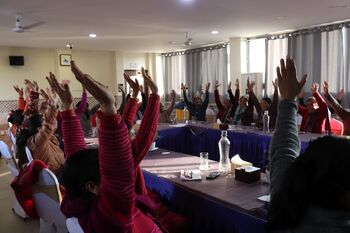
[[65, 59]]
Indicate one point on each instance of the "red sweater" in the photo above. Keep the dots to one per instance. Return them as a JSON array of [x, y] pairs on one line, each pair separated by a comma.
[[322, 113], [145, 136], [114, 210], [221, 108]]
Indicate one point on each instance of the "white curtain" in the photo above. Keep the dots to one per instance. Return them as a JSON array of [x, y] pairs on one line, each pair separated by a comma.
[[346, 42], [174, 73], [195, 69], [214, 67], [306, 52], [276, 49], [332, 64]]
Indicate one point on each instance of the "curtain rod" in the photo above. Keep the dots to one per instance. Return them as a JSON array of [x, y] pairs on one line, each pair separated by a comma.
[[196, 50], [303, 31]]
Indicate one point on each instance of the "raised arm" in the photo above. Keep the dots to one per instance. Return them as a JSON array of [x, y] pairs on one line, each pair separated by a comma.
[[131, 106], [206, 100], [170, 109], [20, 97], [149, 124], [115, 160], [253, 98], [187, 102], [122, 105], [72, 131], [81, 108], [285, 144], [339, 110]]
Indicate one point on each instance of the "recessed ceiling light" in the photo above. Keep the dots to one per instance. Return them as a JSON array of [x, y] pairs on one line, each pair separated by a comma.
[[214, 32], [186, 1], [92, 35]]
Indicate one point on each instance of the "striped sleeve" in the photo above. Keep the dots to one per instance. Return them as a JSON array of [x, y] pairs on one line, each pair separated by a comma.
[[117, 198], [73, 134]]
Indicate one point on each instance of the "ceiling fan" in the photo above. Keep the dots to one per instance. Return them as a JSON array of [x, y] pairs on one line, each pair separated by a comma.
[[19, 28], [187, 42]]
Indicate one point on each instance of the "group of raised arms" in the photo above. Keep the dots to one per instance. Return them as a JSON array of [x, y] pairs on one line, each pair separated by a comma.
[[315, 113], [103, 187]]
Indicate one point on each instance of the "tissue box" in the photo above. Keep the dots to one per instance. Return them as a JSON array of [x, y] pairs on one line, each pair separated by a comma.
[[247, 174]]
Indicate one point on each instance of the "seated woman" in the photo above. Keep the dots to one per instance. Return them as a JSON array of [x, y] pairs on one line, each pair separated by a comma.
[[197, 108], [310, 192], [37, 132], [338, 109], [100, 184], [226, 111], [315, 112], [265, 105]]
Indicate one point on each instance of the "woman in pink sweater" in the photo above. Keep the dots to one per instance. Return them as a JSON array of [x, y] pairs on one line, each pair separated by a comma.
[[100, 183]]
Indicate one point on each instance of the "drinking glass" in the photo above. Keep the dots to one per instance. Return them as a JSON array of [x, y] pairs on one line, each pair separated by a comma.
[[204, 161]]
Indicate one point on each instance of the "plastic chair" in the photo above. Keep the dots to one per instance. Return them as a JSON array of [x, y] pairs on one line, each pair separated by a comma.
[[337, 126], [73, 225], [47, 198], [29, 154], [11, 165]]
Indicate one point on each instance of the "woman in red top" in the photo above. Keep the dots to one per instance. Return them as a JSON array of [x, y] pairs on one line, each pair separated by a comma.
[[100, 183], [315, 112]]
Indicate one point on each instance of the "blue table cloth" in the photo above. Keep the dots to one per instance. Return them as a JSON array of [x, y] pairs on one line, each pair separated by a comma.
[[192, 140]]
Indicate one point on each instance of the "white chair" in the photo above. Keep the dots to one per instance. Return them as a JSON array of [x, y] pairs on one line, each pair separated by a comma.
[[11, 165], [47, 198], [73, 225], [29, 154]]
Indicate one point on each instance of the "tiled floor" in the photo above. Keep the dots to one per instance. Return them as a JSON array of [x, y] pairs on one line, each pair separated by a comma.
[[9, 221]]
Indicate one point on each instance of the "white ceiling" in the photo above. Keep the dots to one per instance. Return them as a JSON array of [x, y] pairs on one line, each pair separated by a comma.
[[148, 25]]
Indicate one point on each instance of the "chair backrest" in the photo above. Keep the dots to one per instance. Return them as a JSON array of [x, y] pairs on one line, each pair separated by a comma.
[[12, 137], [47, 198], [73, 225], [8, 156], [29, 154], [337, 126]]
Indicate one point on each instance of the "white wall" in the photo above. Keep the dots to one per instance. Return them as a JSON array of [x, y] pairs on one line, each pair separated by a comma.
[[37, 64], [106, 67]]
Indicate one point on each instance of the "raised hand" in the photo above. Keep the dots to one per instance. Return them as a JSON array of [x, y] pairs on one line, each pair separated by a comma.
[[18, 90], [301, 94], [62, 91], [288, 83], [275, 84], [44, 95], [33, 86], [217, 84], [341, 95], [237, 83], [183, 87], [96, 89], [134, 85], [207, 86], [141, 89], [314, 88], [229, 86], [148, 80], [173, 94], [325, 87], [250, 85]]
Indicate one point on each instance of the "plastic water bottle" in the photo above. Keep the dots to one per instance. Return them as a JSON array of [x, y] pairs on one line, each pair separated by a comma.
[[224, 149], [266, 122], [186, 115]]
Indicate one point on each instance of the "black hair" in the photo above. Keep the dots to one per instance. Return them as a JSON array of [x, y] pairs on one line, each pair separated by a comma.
[[16, 117], [77, 105], [320, 177], [31, 127], [80, 168], [268, 100]]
